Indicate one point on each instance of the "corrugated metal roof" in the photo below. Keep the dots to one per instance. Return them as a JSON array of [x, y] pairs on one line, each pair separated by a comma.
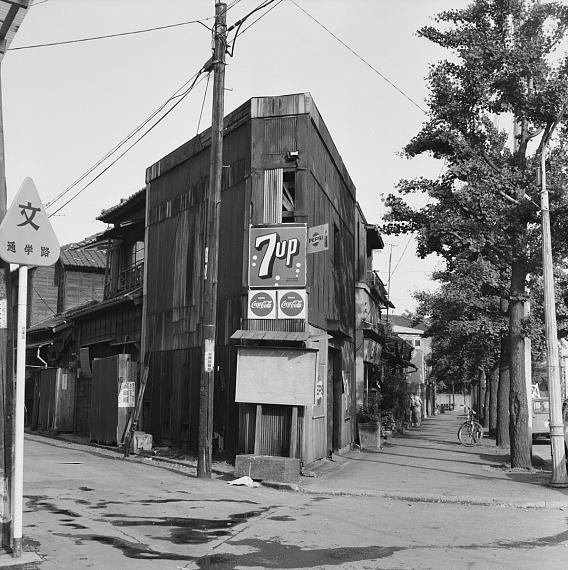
[[270, 335], [11, 18], [86, 258]]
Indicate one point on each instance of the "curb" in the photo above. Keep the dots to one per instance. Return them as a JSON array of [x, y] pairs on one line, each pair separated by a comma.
[[442, 499]]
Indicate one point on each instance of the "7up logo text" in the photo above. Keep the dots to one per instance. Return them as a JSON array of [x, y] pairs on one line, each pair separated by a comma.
[[277, 256]]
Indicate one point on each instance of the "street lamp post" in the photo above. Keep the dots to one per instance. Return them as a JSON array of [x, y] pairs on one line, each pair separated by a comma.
[[559, 477]]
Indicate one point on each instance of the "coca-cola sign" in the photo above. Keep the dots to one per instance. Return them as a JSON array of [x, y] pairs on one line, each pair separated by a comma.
[[292, 304], [262, 305]]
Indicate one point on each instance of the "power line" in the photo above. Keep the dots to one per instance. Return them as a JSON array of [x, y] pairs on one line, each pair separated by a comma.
[[117, 35], [120, 34], [259, 18], [361, 58], [203, 104], [182, 97], [410, 237], [173, 96]]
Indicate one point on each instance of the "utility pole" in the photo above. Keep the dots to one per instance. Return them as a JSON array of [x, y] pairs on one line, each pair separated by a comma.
[[558, 477], [211, 246], [6, 376]]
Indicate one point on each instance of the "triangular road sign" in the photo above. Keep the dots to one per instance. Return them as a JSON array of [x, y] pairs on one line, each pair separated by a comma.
[[26, 235]]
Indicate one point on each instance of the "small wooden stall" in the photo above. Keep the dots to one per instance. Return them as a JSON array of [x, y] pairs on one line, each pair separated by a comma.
[[278, 381]]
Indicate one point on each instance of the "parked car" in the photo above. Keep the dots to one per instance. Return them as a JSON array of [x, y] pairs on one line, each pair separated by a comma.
[[541, 417]]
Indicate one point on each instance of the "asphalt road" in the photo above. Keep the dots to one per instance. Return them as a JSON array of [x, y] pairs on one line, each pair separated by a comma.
[[89, 510]]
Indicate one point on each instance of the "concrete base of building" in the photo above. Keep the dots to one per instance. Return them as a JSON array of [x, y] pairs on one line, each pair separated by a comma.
[[267, 467]]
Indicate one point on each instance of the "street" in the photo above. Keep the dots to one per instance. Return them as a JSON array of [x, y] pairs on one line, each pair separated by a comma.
[[86, 508]]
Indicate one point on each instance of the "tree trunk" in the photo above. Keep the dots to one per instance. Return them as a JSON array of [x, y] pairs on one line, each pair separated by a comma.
[[502, 435], [518, 410], [485, 396], [493, 388]]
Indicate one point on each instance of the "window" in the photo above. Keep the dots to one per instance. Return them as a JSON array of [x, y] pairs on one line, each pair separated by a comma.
[[134, 254], [416, 342], [279, 196], [288, 196]]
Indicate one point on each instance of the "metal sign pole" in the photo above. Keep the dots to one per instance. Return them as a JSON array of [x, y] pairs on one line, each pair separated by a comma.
[[19, 413]]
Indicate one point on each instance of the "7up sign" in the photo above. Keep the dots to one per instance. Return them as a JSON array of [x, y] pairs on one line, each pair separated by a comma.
[[277, 256]]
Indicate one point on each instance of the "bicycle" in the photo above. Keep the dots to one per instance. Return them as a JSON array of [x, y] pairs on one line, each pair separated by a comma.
[[471, 431]]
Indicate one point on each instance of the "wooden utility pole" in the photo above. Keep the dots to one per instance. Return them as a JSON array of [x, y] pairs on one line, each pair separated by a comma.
[[211, 247]]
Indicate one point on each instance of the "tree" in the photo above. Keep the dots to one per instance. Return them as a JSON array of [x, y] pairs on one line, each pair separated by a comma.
[[465, 324], [506, 60]]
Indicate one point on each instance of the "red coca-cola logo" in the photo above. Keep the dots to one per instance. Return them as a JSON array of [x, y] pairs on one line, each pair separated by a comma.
[[261, 304], [291, 304]]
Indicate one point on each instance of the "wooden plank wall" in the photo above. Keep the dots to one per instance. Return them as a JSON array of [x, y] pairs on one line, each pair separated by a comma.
[[117, 322], [65, 401], [42, 294], [175, 254], [103, 413], [81, 287]]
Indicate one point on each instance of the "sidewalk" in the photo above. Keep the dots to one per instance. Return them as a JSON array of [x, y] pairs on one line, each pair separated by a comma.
[[429, 464]]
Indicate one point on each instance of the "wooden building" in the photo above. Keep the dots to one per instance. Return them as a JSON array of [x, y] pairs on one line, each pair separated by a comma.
[[370, 301], [280, 166], [76, 278], [85, 357]]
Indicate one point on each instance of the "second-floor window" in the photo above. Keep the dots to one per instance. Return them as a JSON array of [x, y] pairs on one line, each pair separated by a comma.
[[134, 254], [279, 196]]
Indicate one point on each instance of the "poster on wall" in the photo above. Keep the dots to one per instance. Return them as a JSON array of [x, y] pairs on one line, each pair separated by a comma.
[[277, 256]]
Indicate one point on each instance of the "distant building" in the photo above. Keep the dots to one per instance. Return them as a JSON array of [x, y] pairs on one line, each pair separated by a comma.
[[414, 334]]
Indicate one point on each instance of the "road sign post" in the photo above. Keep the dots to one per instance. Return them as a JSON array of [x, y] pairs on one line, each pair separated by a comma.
[[26, 238]]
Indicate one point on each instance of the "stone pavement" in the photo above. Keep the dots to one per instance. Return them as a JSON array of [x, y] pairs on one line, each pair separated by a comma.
[[428, 463]]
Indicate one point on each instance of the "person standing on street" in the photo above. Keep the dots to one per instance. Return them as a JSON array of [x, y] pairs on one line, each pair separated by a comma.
[[416, 407]]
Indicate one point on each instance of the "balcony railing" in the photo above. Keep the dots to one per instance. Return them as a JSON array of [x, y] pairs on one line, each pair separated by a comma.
[[377, 286], [128, 279]]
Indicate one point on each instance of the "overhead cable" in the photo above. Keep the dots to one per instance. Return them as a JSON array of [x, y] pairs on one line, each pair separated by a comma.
[[160, 119], [173, 96], [120, 34], [384, 77]]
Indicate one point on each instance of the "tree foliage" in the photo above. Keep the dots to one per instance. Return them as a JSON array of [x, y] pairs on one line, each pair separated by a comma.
[[506, 59]]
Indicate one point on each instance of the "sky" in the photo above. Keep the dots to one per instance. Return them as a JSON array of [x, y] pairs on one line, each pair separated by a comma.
[[66, 106]]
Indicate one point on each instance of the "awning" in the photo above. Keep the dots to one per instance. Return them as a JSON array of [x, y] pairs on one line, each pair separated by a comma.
[[270, 335]]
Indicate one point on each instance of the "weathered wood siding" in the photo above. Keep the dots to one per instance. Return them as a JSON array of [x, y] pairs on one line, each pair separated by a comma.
[[117, 323], [79, 287], [42, 294], [257, 137], [176, 217]]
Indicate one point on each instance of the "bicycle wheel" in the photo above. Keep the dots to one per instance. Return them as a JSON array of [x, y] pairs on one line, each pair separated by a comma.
[[466, 434], [477, 431]]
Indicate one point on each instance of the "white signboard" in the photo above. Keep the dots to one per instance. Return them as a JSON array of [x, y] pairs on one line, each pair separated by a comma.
[[271, 375], [292, 304], [26, 235], [261, 304]]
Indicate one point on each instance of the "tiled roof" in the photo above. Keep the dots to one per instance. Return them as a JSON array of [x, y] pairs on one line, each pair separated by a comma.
[[84, 258], [400, 321], [124, 203]]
